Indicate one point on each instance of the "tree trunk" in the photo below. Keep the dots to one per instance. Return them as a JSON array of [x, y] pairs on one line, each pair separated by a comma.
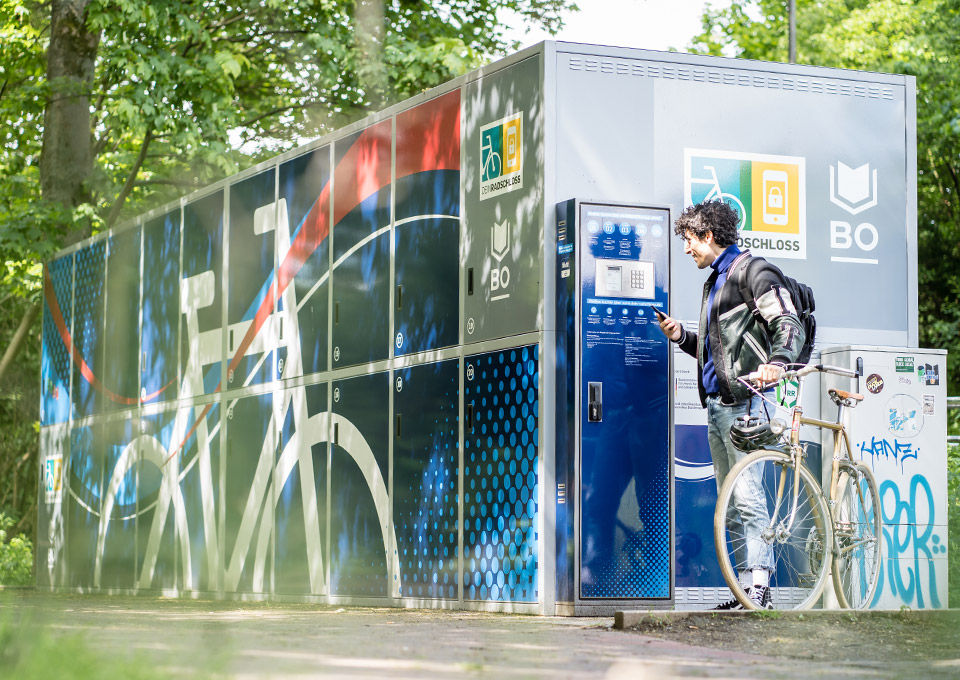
[[66, 161]]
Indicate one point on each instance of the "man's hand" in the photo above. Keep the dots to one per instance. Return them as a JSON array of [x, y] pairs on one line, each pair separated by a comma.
[[769, 373], [670, 327]]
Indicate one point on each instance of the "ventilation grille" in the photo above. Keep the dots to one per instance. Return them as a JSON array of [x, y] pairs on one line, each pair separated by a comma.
[[726, 76]]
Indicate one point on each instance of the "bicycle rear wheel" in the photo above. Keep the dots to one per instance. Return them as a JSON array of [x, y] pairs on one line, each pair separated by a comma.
[[856, 515], [797, 545]]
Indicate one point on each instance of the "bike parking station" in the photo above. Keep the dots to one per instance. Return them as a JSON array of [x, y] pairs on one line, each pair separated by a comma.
[[417, 363]]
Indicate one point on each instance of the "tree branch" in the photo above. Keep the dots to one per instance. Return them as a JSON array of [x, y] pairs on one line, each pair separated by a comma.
[[281, 109], [23, 330], [227, 22], [102, 142], [183, 183], [131, 178]]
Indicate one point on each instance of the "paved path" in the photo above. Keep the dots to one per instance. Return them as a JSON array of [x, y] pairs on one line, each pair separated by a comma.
[[295, 642]]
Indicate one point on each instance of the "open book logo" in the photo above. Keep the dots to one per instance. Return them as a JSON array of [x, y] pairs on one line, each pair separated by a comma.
[[850, 188], [500, 239]]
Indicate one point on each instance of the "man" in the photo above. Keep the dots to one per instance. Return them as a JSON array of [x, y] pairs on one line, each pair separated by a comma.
[[731, 343]]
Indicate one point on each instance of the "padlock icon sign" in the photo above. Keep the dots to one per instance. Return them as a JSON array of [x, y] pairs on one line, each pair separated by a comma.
[[775, 198]]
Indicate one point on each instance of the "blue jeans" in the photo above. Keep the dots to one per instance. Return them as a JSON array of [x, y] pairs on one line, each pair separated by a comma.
[[748, 516]]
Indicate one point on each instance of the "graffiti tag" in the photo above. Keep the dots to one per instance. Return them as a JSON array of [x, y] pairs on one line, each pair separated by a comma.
[[908, 544], [887, 449]]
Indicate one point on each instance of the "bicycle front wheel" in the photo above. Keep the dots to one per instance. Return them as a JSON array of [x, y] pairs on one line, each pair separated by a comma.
[[856, 514], [771, 514]]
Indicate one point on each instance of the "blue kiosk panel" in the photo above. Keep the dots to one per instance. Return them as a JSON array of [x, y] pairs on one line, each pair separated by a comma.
[[625, 402]]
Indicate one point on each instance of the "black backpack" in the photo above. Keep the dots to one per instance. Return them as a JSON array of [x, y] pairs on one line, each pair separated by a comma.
[[802, 296]]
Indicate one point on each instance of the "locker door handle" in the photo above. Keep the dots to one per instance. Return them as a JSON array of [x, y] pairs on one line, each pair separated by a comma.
[[336, 312], [336, 434], [470, 281], [470, 418], [399, 418], [399, 296]]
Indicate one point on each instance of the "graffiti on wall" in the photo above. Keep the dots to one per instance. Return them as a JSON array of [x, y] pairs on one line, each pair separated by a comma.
[[887, 449], [908, 573]]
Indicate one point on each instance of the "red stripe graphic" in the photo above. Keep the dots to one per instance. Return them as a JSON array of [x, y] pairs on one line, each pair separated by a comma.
[[51, 297], [429, 136]]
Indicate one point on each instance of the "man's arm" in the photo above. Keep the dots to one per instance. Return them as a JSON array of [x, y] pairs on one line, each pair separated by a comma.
[[675, 331], [785, 332]]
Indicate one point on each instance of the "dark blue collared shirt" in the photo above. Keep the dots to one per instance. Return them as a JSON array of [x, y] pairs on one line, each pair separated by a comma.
[[721, 265]]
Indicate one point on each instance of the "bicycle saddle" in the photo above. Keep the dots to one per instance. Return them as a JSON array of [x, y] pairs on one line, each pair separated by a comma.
[[843, 398]]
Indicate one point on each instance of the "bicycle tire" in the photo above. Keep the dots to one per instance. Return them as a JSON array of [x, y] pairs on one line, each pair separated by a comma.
[[857, 526], [800, 556]]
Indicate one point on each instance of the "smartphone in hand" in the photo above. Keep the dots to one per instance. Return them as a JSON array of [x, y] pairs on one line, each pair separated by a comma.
[[660, 315]]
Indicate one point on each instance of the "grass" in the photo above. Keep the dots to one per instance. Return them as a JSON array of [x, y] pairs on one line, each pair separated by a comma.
[[30, 652]]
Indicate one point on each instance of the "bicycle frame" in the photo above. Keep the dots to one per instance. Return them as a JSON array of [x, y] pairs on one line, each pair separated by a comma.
[[797, 453]]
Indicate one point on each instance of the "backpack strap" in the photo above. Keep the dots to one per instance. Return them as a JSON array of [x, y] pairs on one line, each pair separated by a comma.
[[745, 291]]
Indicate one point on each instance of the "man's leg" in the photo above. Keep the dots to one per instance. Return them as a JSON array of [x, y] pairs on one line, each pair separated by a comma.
[[749, 500], [719, 420]]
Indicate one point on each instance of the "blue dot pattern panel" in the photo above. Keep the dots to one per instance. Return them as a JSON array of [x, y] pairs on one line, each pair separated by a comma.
[[55, 363], [425, 479], [88, 324], [653, 578], [500, 512]]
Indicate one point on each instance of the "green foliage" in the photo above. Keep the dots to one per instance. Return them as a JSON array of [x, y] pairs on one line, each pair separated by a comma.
[[919, 38], [186, 93], [28, 652], [953, 514], [16, 556]]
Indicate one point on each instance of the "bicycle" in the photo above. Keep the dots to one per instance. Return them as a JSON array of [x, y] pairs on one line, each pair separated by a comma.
[[490, 159], [806, 532], [716, 193]]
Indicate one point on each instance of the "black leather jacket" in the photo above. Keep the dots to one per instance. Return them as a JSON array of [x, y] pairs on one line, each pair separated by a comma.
[[740, 342]]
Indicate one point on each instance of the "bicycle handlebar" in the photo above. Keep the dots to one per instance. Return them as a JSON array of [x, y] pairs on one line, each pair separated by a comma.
[[803, 371]]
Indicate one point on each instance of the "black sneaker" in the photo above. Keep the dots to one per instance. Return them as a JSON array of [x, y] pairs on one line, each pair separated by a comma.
[[761, 597], [729, 605]]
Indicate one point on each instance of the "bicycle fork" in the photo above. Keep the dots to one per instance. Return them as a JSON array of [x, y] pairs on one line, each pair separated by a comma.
[[782, 530]]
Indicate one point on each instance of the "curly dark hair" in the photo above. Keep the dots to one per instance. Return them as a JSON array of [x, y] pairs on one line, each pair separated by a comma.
[[702, 218]]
